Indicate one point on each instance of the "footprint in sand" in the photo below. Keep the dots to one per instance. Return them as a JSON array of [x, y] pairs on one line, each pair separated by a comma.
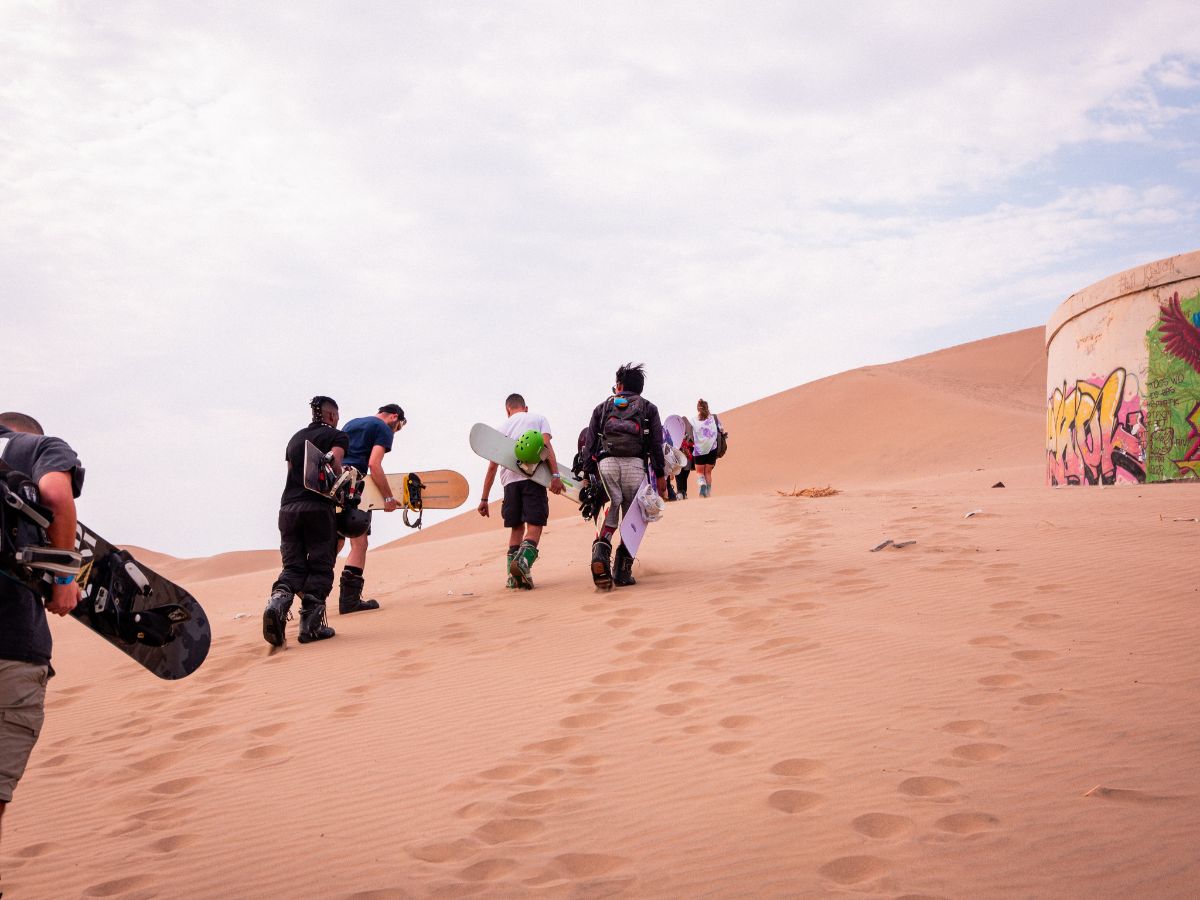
[[991, 640], [265, 752], [980, 752], [585, 720], [553, 746], [503, 831], [646, 632], [789, 801], [173, 842], [444, 851], [729, 748], [626, 676], [1000, 681], [928, 787], [1034, 655], [176, 785], [545, 798], [681, 708], [269, 730], [629, 646], [664, 657], [739, 723], [967, 823], [687, 627], [118, 886], [798, 768], [33, 851], [967, 726], [883, 826], [195, 734], [855, 869], [488, 869]]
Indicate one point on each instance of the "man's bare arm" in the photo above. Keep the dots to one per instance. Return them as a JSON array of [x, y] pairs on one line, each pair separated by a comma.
[[488, 480], [57, 494]]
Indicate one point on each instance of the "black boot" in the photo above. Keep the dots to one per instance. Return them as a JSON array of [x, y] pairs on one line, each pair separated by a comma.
[[276, 615], [350, 594], [601, 564], [624, 574], [312, 620]]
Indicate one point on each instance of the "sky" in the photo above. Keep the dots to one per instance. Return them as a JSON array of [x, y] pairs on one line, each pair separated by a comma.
[[210, 212]]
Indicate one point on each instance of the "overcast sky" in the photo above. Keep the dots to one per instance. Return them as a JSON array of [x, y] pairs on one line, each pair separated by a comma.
[[211, 211]]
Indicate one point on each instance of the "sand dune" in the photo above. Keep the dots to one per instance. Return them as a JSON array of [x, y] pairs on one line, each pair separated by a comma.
[[1003, 708]]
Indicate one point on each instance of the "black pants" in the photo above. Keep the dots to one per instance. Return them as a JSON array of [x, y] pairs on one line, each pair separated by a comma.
[[308, 545], [681, 479]]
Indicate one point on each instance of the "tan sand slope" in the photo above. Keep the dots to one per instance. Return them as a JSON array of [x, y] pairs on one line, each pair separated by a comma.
[[1004, 708]]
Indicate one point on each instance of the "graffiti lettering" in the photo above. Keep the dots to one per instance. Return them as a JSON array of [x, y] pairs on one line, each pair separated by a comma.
[[1096, 434]]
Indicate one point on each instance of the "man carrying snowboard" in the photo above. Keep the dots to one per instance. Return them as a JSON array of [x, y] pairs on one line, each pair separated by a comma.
[[525, 508], [624, 432], [370, 438], [308, 537], [25, 642]]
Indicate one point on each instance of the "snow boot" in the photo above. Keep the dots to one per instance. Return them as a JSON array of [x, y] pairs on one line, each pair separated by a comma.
[[350, 594], [276, 615], [508, 561], [601, 564], [519, 568], [624, 574], [312, 620]]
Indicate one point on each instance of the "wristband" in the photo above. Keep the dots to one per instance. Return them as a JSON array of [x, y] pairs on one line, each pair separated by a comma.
[[556, 475], [63, 579], [389, 499]]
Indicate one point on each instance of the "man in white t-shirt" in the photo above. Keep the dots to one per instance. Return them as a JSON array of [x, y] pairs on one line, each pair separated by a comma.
[[525, 507]]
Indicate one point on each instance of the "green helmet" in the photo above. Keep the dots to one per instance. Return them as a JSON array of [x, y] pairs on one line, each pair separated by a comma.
[[529, 447]]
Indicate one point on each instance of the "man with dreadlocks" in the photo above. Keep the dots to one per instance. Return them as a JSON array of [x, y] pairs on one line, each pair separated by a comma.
[[308, 536]]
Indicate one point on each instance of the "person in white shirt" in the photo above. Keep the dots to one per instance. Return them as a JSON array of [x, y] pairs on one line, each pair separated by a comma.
[[526, 507], [706, 429]]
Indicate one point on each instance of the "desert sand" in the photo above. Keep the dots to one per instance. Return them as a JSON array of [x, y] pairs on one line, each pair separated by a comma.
[[1004, 708]]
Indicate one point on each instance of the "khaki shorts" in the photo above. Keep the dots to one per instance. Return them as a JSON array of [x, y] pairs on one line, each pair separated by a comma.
[[22, 711]]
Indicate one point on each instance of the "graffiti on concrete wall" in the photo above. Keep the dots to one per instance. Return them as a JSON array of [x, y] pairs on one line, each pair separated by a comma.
[[1173, 396], [1096, 432]]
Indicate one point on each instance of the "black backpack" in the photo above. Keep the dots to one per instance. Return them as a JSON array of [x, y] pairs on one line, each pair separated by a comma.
[[625, 428]]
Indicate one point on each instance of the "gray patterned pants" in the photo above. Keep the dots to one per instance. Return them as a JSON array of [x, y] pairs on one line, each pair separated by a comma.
[[622, 477]]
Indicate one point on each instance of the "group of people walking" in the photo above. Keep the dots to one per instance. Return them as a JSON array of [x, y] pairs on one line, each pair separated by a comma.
[[621, 447]]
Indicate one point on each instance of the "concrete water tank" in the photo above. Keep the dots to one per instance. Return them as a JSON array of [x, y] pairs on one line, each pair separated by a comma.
[[1123, 378]]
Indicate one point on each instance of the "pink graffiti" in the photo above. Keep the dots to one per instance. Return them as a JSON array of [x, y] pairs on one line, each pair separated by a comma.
[[1096, 433]]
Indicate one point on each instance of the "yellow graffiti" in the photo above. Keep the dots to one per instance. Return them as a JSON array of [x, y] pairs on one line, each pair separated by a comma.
[[1075, 414], [1084, 435]]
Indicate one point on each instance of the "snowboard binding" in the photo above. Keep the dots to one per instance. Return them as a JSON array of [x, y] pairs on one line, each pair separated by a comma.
[[112, 585], [412, 499]]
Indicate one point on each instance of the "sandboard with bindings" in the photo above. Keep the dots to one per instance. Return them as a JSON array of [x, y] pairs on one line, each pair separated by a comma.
[[633, 524], [497, 447], [148, 618], [438, 489]]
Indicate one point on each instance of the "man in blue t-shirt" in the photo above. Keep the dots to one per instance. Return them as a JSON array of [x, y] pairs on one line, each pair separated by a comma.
[[370, 438], [25, 642]]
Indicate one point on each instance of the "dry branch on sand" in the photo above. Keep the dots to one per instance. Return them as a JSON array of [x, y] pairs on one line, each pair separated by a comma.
[[809, 492]]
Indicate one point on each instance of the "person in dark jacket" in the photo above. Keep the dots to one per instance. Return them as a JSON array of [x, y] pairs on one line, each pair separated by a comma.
[[308, 537], [624, 444]]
